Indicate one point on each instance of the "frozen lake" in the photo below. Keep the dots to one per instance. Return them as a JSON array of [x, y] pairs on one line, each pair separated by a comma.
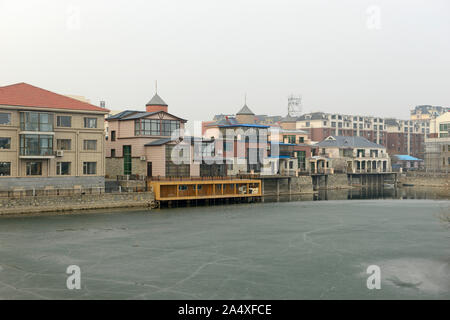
[[279, 250]]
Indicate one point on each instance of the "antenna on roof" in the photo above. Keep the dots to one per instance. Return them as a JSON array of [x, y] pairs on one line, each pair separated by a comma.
[[245, 98], [156, 86]]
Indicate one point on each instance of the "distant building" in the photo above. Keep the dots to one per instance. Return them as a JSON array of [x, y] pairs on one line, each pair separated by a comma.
[[237, 141], [398, 136], [427, 112], [351, 155], [48, 140], [437, 144]]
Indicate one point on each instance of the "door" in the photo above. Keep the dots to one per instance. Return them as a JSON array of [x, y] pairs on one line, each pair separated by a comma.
[[126, 160], [149, 169]]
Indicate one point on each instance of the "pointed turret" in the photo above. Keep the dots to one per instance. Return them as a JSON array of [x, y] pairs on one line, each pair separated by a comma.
[[156, 104]]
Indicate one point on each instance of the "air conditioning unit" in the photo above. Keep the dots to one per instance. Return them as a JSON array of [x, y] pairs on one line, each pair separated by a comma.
[[59, 153], [143, 158]]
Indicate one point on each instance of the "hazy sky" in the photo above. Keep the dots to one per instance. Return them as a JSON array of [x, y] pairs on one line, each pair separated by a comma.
[[366, 57]]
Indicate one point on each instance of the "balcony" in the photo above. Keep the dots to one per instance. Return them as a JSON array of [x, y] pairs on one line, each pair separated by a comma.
[[36, 146], [34, 122]]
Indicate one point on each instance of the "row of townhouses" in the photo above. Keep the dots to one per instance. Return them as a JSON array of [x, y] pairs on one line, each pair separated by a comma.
[[48, 140]]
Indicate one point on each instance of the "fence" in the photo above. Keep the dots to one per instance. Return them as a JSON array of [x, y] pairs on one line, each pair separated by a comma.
[[36, 192], [205, 178]]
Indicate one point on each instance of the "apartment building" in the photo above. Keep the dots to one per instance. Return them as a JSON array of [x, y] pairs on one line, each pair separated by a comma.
[[437, 144], [427, 112], [406, 137], [48, 140], [398, 136]]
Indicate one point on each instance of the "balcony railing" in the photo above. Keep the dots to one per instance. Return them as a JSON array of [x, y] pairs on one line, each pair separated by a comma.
[[36, 152]]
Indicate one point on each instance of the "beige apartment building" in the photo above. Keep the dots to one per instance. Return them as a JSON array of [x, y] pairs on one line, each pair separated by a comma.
[[49, 140], [437, 145]]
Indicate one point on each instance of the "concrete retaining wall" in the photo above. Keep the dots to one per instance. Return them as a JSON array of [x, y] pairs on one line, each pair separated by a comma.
[[338, 181], [425, 179], [28, 183], [301, 184], [75, 202]]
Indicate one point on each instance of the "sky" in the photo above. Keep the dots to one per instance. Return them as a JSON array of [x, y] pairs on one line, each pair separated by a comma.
[[378, 58]]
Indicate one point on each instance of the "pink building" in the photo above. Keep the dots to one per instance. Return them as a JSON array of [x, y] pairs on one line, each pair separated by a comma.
[[142, 143]]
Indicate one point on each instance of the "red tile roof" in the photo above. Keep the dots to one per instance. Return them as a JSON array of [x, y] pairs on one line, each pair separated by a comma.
[[26, 95]]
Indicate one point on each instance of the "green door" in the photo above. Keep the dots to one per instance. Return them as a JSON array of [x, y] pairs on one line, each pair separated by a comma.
[[126, 159], [301, 158]]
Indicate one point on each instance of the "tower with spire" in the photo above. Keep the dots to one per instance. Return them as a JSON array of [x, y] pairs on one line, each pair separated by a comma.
[[245, 115], [156, 103]]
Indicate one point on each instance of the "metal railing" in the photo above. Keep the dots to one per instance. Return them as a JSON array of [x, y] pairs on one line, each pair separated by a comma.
[[37, 192], [206, 178]]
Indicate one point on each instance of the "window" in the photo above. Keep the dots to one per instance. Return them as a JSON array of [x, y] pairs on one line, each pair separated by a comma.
[[34, 168], [339, 124], [291, 164], [301, 139], [324, 123], [90, 123], [5, 119], [5, 143], [89, 167], [307, 124], [228, 146], [63, 144], [354, 126], [36, 145], [333, 124], [113, 153], [289, 139], [63, 168], [5, 168], [168, 126], [36, 121], [113, 135], [90, 145], [333, 116], [147, 127], [64, 121]]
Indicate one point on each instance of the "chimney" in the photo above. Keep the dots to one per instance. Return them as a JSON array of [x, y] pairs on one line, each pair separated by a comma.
[[102, 104]]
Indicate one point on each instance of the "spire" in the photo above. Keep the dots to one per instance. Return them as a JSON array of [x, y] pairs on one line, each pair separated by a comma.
[[156, 103]]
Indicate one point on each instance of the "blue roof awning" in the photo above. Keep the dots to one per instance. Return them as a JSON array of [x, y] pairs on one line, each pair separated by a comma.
[[406, 157]]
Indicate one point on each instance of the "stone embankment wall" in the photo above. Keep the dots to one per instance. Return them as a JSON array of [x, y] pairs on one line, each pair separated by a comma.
[[338, 181], [31, 204], [302, 184], [428, 179]]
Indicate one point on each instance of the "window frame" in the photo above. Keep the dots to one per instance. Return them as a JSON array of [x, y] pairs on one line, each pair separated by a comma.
[[8, 144], [86, 167], [87, 122], [5, 163], [87, 145], [59, 124], [59, 168], [8, 114]]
